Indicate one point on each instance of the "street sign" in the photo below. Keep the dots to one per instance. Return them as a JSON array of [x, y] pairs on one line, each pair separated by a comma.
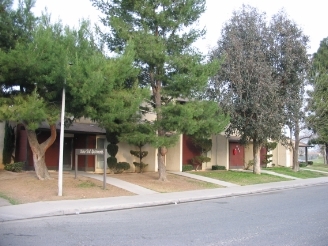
[[92, 152]]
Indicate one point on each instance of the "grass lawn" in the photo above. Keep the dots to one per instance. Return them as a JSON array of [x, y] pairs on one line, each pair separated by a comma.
[[318, 164], [12, 201], [240, 178], [302, 174], [318, 160]]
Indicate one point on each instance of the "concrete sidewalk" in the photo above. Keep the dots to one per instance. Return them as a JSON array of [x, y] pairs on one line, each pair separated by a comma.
[[279, 174], [75, 207], [205, 179], [267, 172], [136, 189], [313, 170]]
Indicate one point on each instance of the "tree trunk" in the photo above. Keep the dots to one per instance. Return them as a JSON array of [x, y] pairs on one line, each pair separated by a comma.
[[39, 151], [140, 159], [296, 166], [157, 85], [256, 157], [161, 163], [326, 156]]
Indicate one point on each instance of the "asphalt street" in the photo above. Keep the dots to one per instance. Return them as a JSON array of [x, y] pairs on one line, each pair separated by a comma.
[[283, 217]]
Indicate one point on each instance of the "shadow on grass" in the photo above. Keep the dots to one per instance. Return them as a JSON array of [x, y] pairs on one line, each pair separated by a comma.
[[240, 178]]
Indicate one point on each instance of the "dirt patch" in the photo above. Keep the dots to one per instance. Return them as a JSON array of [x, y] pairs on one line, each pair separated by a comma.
[[24, 187], [175, 183]]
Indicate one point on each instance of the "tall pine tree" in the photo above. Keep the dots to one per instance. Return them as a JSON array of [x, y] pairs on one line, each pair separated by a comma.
[[163, 33], [40, 69]]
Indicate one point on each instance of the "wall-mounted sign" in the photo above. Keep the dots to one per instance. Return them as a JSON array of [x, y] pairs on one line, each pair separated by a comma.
[[89, 151]]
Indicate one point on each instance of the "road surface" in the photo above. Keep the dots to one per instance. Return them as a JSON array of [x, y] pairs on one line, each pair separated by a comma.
[[289, 217]]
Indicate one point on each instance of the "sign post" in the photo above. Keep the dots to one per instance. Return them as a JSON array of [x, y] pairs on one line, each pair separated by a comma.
[[92, 152], [105, 169]]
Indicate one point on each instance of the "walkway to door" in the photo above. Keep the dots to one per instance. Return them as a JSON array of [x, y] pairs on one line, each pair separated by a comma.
[[136, 189]]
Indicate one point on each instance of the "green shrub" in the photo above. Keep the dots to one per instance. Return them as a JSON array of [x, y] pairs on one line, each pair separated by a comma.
[[15, 167], [140, 165], [217, 167], [310, 163], [112, 149], [112, 137], [138, 153], [303, 164], [249, 164], [121, 166], [9, 144], [111, 162], [187, 167]]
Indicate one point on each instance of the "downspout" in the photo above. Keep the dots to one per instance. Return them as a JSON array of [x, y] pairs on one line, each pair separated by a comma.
[[86, 156], [216, 149], [26, 154], [278, 157]]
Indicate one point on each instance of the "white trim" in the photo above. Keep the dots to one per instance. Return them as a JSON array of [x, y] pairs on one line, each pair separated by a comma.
[[100, 170], [181, 153], [156, 159]]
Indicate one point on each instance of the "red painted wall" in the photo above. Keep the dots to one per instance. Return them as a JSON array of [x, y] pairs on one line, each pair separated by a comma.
[[91, 145], [263, 153], [80, 141], [21, 144], [236, 155], [189, 150]]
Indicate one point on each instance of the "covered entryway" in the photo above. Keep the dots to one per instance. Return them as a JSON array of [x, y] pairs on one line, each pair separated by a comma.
[[263, 154], [189, 150], [236, 155], [100, 144], [67, 157]]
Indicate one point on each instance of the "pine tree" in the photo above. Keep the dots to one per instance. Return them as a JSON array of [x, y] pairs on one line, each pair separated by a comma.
[[40, 69], [8, 144], [163, 33]]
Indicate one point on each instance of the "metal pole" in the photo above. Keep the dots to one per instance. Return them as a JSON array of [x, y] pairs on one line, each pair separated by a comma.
[[76, 159], [61, 147], [105, 168]]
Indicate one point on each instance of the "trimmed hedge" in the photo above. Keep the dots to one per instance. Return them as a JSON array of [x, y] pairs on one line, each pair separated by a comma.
[[122, 166], [303, 164], [141, 165], [186, 168], [15, 167], [217, 167]]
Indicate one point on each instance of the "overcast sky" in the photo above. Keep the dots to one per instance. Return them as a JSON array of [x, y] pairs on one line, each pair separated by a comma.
[[311, 16]]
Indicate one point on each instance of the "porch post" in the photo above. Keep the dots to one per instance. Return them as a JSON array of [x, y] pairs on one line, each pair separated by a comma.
[[306, 155], [61, 147]]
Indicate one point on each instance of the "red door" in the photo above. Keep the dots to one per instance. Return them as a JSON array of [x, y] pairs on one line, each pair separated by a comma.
[[236, 155], [263, 153], [189, 150]]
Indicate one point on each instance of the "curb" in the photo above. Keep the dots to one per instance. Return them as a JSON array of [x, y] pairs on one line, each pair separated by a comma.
[[160, 200]]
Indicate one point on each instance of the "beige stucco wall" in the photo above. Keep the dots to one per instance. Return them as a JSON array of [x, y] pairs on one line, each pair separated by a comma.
[[282, 156], [150, 116], [2, 134], [150, 159], [174, 157], [248, 154], [220, 151], [124, 155]]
